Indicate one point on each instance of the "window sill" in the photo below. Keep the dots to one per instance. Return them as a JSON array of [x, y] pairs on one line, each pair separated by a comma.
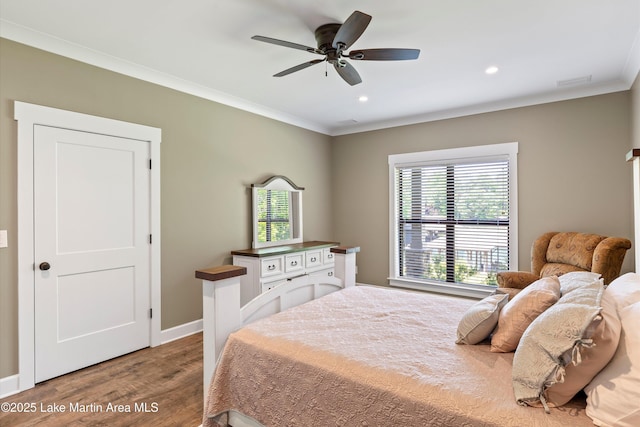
[[468, 291]]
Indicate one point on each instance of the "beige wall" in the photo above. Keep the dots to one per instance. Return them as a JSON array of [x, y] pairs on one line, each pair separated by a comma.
[[572, 173], [209, 157], [635, 113]]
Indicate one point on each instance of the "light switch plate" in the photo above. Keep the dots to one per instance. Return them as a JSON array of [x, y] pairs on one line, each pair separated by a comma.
[[3, 239]]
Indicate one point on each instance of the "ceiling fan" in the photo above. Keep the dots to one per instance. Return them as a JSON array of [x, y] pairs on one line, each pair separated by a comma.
[[334, 39]]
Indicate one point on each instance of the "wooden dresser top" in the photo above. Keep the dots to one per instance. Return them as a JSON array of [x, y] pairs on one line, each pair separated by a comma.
[[284, 249]]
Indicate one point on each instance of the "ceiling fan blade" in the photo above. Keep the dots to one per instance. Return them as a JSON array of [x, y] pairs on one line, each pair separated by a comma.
[[384, 54], [348, 73], [351, 30], [285, 44], [298, 67]]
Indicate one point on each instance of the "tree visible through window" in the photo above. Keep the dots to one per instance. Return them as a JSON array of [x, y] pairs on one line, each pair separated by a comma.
[[274, 212], [452, 220]]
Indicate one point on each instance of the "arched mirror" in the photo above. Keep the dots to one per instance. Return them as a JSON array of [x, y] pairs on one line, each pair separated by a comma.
[[277, 212]]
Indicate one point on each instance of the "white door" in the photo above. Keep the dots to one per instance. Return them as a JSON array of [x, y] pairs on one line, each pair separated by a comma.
[[92, 252]]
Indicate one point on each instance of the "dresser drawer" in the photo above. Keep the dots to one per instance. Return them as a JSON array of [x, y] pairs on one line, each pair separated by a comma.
[[328, 257], [329, 272], [271, 285], [313, 258], [271, 266], [293, 262]]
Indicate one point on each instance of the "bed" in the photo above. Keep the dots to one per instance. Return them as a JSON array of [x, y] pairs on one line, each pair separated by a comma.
[[367, 356]]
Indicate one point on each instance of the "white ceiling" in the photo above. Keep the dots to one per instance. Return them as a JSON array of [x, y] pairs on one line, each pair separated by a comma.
[[204, 47]]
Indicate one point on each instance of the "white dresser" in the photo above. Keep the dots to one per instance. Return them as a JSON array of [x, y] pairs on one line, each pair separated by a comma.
[[271, 266]]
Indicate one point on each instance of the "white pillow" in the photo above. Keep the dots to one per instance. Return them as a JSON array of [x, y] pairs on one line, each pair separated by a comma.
[[480, 319], [625, 289], [613, 396], [575, 279]]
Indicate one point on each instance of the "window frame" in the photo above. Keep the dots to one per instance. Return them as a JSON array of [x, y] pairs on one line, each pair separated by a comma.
[[483, 153]]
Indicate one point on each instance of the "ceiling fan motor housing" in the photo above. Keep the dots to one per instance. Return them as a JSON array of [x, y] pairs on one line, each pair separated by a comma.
[[324, 37]]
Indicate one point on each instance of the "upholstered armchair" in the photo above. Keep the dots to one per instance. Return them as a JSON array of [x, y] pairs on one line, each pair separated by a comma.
[[554, 254]]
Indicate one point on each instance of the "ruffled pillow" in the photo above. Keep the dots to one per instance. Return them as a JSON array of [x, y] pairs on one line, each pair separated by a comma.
[[593, 357], [553, 340]]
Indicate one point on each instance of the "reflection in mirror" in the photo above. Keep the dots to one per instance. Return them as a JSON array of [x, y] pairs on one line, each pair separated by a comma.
[[277, 212]]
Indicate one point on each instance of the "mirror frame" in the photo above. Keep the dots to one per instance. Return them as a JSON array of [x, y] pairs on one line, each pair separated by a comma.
[[279, 182]]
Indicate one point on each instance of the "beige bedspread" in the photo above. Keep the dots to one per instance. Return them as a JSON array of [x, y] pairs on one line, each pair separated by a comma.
[[369, 356]]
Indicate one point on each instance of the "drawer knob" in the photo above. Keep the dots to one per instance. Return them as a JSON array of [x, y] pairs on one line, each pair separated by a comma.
[[294, 263], [271, 267], [313, 259]]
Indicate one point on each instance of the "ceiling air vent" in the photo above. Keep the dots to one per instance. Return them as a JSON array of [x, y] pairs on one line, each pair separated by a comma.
[[575, 81]]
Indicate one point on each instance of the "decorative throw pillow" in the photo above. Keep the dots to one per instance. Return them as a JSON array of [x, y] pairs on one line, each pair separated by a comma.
[[575, 279], [613, 394], [593, 358], [512, 292], [625, 290], [518, 314], [553, 340], [481, 318]]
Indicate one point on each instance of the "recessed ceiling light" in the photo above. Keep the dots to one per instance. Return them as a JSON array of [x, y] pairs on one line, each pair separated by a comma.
[[363, 98], [491, 70]]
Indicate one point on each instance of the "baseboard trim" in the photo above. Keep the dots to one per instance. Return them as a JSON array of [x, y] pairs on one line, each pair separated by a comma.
[[180, 331], [9, 386]]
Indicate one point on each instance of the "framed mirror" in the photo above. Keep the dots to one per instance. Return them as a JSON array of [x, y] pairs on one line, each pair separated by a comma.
[[277, 212]]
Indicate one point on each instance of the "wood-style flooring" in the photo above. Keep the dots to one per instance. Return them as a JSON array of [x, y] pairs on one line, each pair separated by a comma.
[[160, 386]]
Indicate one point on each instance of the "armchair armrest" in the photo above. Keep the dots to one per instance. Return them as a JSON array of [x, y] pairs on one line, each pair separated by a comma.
[[516, 279], [608, 257]]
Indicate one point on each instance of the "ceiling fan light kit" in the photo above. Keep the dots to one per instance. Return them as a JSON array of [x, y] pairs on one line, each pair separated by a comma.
[[334, 39]]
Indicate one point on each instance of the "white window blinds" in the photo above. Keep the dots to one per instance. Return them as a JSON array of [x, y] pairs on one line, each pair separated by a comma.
[[453, 220]]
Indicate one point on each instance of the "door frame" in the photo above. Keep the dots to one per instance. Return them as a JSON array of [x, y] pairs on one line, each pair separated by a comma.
[[28, 115]]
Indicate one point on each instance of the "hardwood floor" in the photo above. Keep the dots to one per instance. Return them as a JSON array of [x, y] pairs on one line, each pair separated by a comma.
[[159, 386]]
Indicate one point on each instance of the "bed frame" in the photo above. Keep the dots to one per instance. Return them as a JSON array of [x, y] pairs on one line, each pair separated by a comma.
[[222, 313]]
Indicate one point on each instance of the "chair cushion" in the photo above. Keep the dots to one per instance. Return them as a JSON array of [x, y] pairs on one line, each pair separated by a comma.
[[573, 248], [556, 269]]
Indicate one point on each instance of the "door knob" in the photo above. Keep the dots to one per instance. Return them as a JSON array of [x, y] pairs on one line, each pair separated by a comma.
[[44, 266]]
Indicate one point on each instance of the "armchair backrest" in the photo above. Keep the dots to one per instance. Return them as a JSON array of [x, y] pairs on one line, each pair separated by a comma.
[[556, 253]]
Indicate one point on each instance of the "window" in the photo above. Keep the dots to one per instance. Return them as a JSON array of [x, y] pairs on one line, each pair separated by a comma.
[[453, 217], [277, 212]]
